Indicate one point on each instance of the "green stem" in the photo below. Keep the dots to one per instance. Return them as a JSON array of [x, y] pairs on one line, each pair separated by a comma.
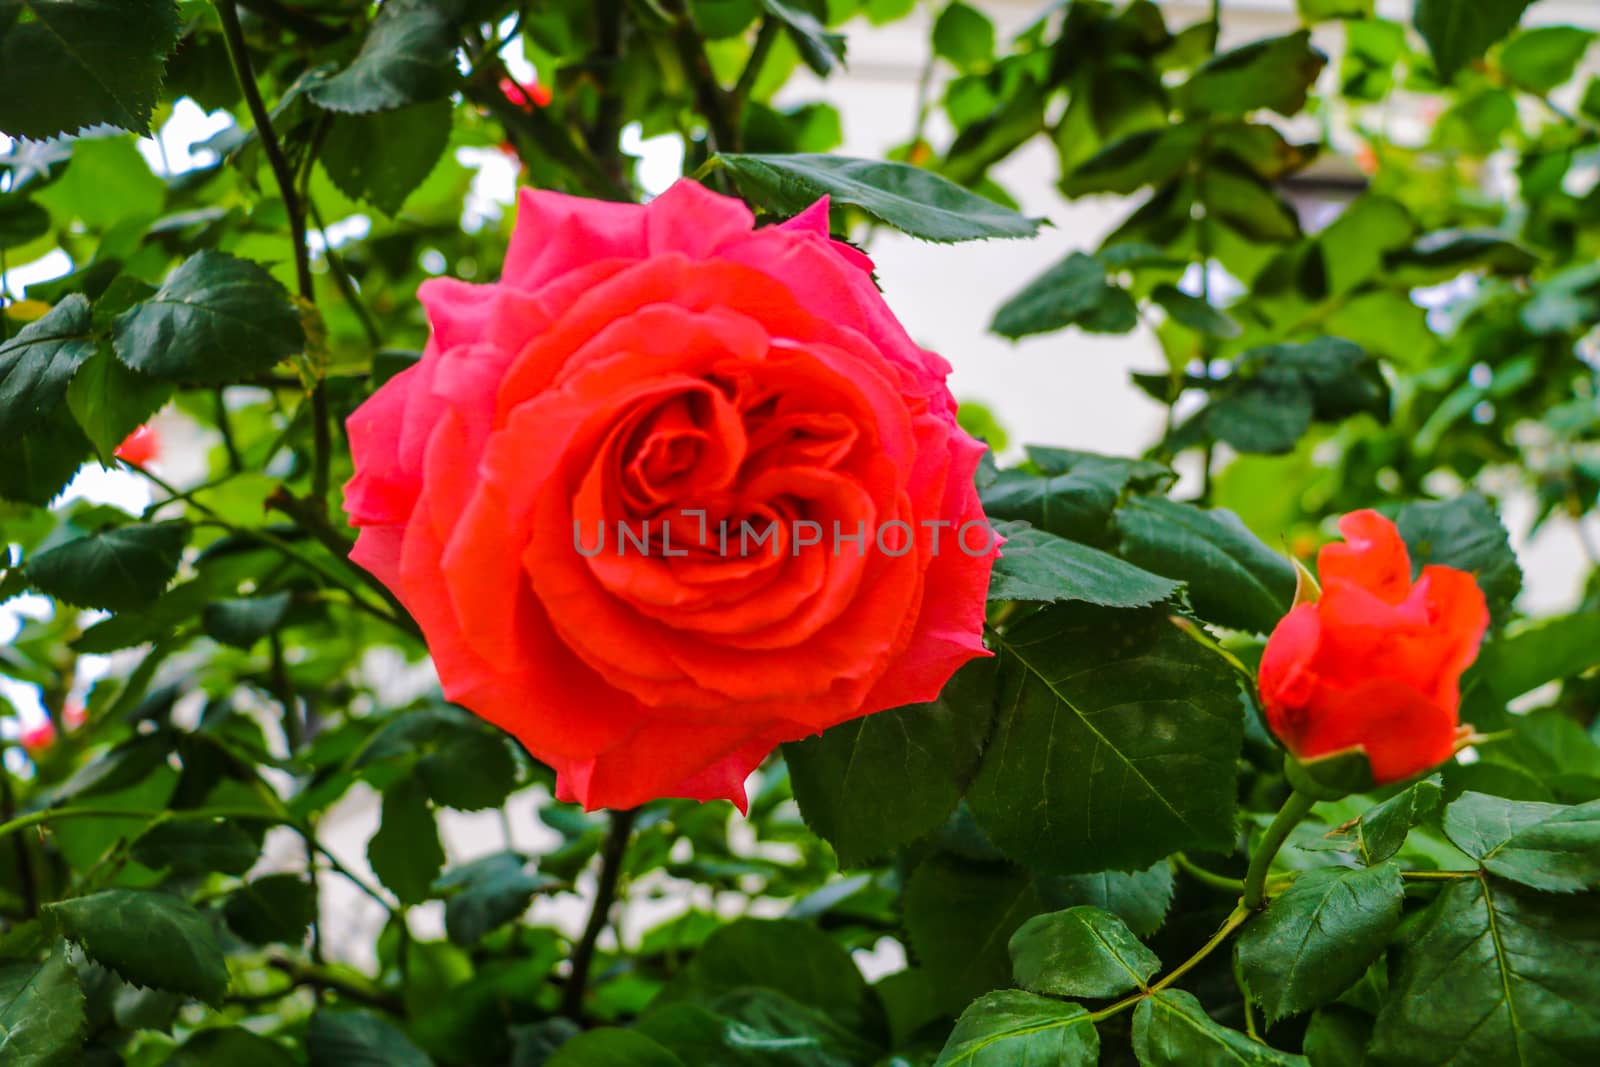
[[1297, 807], [1234, 920], [611, 857], [49, 815], [766, 37], [1209, 878]]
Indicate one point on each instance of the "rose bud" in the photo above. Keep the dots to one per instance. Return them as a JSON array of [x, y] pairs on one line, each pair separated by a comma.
[[1374, 664], [526, 95], [671, 492], [140, 447], [36, 739]]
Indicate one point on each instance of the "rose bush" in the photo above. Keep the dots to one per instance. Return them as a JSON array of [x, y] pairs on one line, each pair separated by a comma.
[[1375, 663], [673, 365]]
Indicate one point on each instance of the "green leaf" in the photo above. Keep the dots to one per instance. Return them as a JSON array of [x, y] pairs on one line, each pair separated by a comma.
[[41, 1013], [1338, 1036], [963, 35], [1546, 651], [121, 569], [1458, 32], [1466, 534], [21, 221], [1139, 898], [1146, 157], [1171, 1029], [820, 49], [1546, 57], [472, 770], [1074, 500], [1546, 846], [1441, 255], [907, 198], [1323, 10], [382, 158], [612, 1047], [110, 400], [959, 916], [1273, 73], [881, 781], [1382, 830], [243, 621], [754, 1028], [277, 908], [1039, 566], [1074, 292], [37, 364], [1080, 952], [1233, 578], [790, 957], [215, 320], [1008, 1028], [1318, 937], [407, 58], [1518, 970], [80, 63], [232, 1045], [405, 853], [486, 894], [1115, 744], [1274, 392], [360, 1039], [196, 847], [1193, 312], [148, 938]]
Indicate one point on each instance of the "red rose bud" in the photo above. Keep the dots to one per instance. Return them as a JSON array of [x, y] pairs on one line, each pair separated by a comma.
[[1374, 664], [38, 738], [140, 447], [563, 492], [525, 95]]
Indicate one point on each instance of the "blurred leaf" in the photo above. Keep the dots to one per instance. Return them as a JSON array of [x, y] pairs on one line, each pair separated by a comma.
[[360, 1039], [1194, 312], [1074, 292], [1083, 689], [80, 63], [1546, 651], [820, 49], [1459, 33], [472, 770], [1322, 10], [382, 157], [1010, 1027], [148, 938], [243, 621], [405, 853], [1274, 73], [195, 847], [1233, 578], [486, 894], [1545, 57], [277, 908], [1318, 937], [111, 400], [407, 58], [1464, 533], [880, 781], [611, 1047], [1080, 952], [124, 568], [790, 957], [907, 198], [963, 35], [232, 1045], [215, 320], [21, 221]]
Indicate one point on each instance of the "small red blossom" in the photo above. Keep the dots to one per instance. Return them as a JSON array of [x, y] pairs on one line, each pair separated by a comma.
[[1374, 664], [526, 95], [140, 447]]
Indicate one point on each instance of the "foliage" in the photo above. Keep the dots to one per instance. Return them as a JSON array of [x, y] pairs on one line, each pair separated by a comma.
[[1056, 845]]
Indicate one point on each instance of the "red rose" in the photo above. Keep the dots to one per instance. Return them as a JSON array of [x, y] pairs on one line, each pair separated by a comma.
[[140, 447], [1376, 662], [673, 368], [526, 95], [36, 739]]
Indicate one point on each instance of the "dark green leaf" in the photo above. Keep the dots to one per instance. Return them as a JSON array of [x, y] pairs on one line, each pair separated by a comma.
[[1382, 831], [1459, 32], [196, 847], [1546, 846], [1233, 578], [148, 938], [243, 621], [405, 852], [610, 1047], [911, 200], [1080, 952], [1547, 651], [1445, 254], [1319, 936], [1115, 744], [1148, 157], [275, 909], [215, 320], [1274, 73], [878, 782], [1009, 1028], [1138, 898], [1522, 975], [121, 569], [37, 464], [110, 400], [407, 58], [1038, 566], [1194, 312], [37, 364], [790, 957], [1322, 10], [80, 63], [231, 1045], [381, 158], [821, 49], [1074, 292], [1172, 1029], [360, 1039], [41, 1013], [1543, 58], [1074, 500], [1466, 534], [471, 771], [486, 894], [959, 916], [21, 221]]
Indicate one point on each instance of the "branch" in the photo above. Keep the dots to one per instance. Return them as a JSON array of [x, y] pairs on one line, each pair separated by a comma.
[[611, 858]]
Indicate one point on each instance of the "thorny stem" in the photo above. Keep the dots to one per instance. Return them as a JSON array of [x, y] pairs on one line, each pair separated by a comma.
[[611, 857]]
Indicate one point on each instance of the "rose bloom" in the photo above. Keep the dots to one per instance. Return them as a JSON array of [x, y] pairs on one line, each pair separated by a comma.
[[672, 365], [1376, 662], [140, 447]]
